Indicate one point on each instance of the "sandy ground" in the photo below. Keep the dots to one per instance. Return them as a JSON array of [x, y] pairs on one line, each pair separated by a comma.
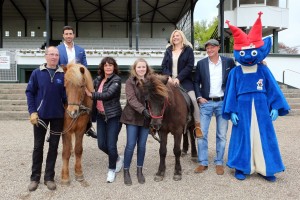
[[15, 165]]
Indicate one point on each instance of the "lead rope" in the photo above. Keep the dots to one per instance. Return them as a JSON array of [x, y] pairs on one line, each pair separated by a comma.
[[43, 124]]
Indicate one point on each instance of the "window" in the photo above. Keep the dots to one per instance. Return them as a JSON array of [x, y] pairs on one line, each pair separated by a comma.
[[44, 34], [19, 33], [32, 34], [6, 33]]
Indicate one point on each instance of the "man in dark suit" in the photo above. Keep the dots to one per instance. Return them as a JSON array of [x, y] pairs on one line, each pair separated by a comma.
[[70, 52], [210, 83]]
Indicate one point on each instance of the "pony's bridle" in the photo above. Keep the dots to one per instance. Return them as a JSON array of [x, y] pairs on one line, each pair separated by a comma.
[[162, 111], [154, 131], [82, 108]]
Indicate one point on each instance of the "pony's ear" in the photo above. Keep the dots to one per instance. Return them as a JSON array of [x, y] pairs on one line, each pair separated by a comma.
[[163, 78], [82, 70], [65, 69]]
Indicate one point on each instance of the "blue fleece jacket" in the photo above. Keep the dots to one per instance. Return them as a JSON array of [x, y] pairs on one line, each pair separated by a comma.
[[46, 94]]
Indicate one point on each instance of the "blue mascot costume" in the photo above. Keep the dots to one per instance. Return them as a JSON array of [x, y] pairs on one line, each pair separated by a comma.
[[253, 100]]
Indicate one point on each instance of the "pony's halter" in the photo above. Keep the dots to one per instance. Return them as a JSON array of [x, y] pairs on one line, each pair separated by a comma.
[[82, 108], [82, 95], [166, 101]]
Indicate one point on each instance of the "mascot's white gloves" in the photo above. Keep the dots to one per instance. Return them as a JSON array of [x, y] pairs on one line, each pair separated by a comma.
[[34, 118], [274, 114], [234, 119]]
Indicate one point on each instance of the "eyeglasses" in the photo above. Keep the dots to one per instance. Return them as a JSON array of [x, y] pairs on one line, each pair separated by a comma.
[[52, 54]]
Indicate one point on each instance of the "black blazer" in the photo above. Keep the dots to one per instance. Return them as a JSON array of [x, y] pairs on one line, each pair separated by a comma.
[[202, 78]]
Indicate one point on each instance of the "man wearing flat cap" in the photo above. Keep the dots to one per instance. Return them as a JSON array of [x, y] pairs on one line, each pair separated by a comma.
[[210, 83]]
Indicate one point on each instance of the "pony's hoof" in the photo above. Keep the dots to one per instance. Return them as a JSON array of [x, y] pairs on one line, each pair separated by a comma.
[[195, 155], [183, 153], [177, 177], [84, 183], [79, 178], [194, 159], [158, 178], [65, 182]]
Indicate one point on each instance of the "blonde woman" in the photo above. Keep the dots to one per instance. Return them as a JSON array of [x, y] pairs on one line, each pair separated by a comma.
[[178, 63], [136, 117]]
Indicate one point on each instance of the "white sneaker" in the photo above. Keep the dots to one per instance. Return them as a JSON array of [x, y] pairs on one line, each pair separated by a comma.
[[111, 175], [119, 163]]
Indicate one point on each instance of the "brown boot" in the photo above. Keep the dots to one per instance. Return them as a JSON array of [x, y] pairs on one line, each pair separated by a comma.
[[200, 169], [127, 178], [140, 176], [197, 130]]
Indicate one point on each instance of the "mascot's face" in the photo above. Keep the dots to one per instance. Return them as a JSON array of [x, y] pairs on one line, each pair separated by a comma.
[[250, 57]]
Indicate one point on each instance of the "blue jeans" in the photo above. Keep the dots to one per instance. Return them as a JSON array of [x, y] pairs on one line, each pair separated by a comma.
[[107, 136], [135, 135], [206, 112]]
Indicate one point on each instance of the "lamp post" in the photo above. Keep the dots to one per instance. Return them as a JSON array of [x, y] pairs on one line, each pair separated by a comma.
[[137, 20], [47, 24]]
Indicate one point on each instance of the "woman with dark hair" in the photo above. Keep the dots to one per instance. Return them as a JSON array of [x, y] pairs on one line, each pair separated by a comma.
[[107, 111], [137, 118]]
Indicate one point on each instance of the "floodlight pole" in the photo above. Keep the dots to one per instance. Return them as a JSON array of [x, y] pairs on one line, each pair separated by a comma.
[[137, 20], [222, 25], [1, 25], [47, 24]]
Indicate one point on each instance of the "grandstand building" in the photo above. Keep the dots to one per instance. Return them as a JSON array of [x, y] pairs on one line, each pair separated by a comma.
[[120, 28]]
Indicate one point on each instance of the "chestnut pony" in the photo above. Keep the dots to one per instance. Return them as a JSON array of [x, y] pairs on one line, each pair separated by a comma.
[[77, 115], [169, 114]]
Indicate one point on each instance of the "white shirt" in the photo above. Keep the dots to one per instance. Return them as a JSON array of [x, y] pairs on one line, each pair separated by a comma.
[[215, 72], [70, 53], [175, 65]]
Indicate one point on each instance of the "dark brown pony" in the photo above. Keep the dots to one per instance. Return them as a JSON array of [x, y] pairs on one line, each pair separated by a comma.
[[77, 77], [189, 137], [169, 114]]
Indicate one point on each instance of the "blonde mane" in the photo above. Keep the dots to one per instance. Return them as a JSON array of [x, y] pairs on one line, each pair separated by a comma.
[[74, 75]]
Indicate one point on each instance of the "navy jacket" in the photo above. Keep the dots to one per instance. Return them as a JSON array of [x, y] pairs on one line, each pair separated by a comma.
[[184, 67], [79, 55], [46, 95], [202, 77]]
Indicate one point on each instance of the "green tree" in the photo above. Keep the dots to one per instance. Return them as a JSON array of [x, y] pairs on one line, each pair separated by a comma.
[[203, 31]]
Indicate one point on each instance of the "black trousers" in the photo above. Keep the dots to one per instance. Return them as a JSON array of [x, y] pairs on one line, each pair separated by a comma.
[[37, 155]]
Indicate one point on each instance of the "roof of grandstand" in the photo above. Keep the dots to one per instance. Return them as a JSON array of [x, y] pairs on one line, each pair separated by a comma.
[[158, 11]]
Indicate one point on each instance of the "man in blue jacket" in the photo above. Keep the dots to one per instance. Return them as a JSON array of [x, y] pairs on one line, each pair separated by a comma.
[[210, 84], [70, 52], [46, 97]]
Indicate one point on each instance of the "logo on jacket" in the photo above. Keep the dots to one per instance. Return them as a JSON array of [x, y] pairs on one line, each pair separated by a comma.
[[260, 84], [58, 81]]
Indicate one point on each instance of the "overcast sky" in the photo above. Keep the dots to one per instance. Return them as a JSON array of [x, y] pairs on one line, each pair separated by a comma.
[[206, 9]]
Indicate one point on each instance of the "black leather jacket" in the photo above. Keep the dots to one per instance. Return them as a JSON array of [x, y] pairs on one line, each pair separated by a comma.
[[110, 96]]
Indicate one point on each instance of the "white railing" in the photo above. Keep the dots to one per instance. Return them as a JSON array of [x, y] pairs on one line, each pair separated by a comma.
[[279, 64], [291, 78]]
